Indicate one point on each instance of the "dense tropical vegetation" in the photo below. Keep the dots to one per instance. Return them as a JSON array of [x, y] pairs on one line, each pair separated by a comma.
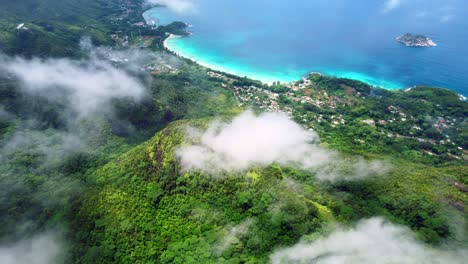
[[123, 198]]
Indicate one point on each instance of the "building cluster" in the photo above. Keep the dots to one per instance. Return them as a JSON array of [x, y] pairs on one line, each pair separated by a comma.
[[217, 75], [264, 99], [257, 97]]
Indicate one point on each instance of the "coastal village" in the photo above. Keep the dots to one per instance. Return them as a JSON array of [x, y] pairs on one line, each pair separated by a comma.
[[305, 94], [127, 152], [303, 100]]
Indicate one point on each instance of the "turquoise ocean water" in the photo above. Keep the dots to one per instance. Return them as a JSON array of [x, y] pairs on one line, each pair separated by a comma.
[[274, 40]]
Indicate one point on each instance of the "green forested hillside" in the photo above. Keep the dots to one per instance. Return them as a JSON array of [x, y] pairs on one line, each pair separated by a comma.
[[143, 208], [53, 27], [108, 181]]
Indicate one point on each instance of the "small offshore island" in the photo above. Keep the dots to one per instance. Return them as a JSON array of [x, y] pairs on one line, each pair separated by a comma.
[[411, 40]]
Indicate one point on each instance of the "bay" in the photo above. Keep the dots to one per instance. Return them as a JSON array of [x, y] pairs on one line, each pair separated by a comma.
[[285, 40]]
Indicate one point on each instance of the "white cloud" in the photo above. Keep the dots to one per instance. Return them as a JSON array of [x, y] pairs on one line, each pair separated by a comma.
[[4, 114], [233, 236], [82, 90], [54, 144], [251, 140], [390, 5], [42, 249], [178, 6], [88, 85], [371, 241], [129, 59]]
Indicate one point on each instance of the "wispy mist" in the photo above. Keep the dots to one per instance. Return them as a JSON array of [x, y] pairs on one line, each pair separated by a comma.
[[80, 92], [178, 6], [371, 241], [86, 85], [232, 235], [75, 98], [45, 248], [44, 142], [263, 140]]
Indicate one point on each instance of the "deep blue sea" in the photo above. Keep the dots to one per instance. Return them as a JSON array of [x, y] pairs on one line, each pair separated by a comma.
[[274, 40]]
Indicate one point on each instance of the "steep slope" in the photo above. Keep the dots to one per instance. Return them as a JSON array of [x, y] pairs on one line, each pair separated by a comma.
[[53, 28], [143, 208]]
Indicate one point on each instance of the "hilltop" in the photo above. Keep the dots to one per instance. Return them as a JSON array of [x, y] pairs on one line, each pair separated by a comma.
[[147, 161], [143, 207]]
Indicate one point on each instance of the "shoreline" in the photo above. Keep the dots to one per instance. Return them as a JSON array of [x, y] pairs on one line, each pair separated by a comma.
[[267, 80], [220, 69], [183, 50], [209, 66], [264, 80], [170, 36]]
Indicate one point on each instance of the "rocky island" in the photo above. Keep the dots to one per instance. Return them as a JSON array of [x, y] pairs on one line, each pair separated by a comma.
[[411, 40]]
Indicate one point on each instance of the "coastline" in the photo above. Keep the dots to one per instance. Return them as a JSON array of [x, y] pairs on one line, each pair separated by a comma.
[[170, 36], [271, 79], [377, 73], [266, 79], [347, 75], [214, 67]]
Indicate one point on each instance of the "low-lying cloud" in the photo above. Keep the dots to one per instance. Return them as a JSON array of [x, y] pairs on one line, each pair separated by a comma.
[[233, 236], [178, 6], [59, 113], [54, 144], [88, 85], [263, 140], [41, 249], [371, 241]]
